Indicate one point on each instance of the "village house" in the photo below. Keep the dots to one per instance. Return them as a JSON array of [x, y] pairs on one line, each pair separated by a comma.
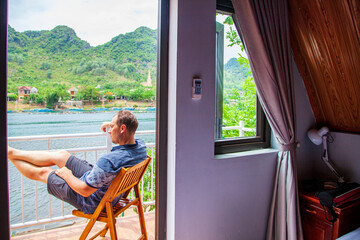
[[23, 92], [34, 90], [73, 91]]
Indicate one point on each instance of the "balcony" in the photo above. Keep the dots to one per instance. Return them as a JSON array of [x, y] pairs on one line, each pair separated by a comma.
[[127, 227], [32, 209]]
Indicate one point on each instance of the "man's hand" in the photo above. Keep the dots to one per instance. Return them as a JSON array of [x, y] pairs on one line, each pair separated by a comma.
[[104, 126], [63, 172], [75, 184]]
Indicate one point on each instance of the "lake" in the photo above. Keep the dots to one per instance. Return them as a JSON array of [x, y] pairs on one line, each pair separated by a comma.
[[30, 124]]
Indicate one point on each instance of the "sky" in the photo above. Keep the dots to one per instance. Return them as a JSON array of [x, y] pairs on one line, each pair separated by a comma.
[[233, 51], [95, 21]]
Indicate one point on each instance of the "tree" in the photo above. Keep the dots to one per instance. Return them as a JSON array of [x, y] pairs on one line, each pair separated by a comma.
[[142, 93], [54, 93], [120, 92], [32, 97], [136, 94], [48, 74], [88, 93], [40, 100], [51, 99], [239, 105], [45, 66], [109, 96], [149, 94], [13, 97]]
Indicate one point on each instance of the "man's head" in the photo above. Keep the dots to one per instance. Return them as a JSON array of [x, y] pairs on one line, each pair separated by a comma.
[[123, 127], [128, 119]]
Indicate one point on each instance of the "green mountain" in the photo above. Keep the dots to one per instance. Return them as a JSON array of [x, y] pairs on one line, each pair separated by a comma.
[[58, 57], [46, 59], [235, 74]]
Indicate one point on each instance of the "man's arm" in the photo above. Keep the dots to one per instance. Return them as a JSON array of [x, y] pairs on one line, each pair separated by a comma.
[[76, 184]]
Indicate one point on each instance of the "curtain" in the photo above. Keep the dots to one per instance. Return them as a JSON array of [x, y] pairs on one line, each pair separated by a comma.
[[264, 28]]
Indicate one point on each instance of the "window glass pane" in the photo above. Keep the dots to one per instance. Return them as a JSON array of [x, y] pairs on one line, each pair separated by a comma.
[[235, 89]]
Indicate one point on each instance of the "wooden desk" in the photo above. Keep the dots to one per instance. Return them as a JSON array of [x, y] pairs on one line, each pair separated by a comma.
[[317, 227]]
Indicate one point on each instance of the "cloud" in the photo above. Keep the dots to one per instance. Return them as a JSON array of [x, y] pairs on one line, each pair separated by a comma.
[[94, 21]]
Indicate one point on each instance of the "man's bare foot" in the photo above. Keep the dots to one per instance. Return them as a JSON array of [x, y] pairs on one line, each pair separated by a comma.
[[10, 152]]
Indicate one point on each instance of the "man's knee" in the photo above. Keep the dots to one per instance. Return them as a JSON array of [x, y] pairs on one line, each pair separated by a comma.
[[61, 157], [43, 174]]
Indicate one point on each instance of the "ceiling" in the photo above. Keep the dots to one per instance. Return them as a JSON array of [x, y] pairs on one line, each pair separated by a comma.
[[325, 37]]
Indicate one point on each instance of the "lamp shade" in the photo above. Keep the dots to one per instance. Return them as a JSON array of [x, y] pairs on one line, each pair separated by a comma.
[[316, 135]]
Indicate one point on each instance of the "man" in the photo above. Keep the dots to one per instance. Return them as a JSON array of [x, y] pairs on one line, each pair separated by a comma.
[[77, 181]]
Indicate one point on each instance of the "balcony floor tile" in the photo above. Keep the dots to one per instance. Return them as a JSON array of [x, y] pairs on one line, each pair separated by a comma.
[[128, 228]]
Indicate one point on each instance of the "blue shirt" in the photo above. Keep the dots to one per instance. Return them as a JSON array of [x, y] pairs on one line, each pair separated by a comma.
[[105, 170]]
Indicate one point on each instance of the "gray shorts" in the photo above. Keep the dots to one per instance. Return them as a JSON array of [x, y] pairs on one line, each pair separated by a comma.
[[60, 189]]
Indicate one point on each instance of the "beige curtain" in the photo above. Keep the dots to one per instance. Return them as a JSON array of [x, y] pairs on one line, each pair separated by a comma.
[[265, 30]]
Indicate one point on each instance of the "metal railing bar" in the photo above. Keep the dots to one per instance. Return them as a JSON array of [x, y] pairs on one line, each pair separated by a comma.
[[42, 221], [86, 149], [49, 206], [58, 136], [64, 136], [237, 127], [22, 199], [36, 203]]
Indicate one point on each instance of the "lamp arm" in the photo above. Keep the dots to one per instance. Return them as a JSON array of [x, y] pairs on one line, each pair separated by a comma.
[[325, 158]]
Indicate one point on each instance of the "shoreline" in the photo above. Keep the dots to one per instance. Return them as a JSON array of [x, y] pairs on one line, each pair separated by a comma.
[[18, 107], [69, 111]]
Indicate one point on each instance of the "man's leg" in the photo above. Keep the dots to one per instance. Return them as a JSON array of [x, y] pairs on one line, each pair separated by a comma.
[[39, 158], [31, 171], [56, 185]]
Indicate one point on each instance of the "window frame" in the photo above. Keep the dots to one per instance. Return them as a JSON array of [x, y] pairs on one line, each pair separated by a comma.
[[4, 189], [263, 131]]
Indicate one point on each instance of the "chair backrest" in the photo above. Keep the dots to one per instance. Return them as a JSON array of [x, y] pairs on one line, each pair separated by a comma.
[[126, 179]]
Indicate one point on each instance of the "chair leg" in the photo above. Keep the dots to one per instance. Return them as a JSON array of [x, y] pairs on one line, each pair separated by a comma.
[[141, 212], [104, 231], [111, 221]]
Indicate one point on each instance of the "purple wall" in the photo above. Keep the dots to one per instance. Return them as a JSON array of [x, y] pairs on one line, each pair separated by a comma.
[[227, 197], [307, 154], [344, 152], [215, 199]]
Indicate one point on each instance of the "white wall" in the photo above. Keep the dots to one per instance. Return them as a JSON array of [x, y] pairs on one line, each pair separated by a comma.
[[211, 198]]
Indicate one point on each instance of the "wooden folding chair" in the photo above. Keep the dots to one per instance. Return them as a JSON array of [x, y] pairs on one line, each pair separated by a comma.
[[124, 181]]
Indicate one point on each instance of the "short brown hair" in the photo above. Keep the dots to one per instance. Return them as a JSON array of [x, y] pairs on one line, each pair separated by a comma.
[[128, 119]]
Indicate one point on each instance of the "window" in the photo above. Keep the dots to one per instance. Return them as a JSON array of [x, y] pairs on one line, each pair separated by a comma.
[[240, 123]]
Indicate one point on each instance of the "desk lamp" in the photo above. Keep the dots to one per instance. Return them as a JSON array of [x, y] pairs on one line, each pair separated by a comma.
[[318, 137]]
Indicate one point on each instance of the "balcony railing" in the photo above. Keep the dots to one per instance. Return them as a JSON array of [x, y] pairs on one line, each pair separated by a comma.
[[242, 129], [147, 185]]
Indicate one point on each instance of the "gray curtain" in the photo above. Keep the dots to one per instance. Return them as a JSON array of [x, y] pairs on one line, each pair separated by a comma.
[[264, 28]]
